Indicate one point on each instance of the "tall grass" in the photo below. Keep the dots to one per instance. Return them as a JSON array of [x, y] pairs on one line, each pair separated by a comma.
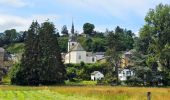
[[81, 93]]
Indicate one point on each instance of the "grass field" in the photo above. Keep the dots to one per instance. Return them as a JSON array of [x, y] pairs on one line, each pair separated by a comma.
[[81, 93]]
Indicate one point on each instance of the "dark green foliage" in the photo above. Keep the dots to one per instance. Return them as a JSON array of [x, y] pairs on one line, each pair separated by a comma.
[[83, 71], [49, 55], [125, 38], [113, 54], [88, 28], [88, 44], [63, 43], [41, 61], [155, 33], [10, 35], [64, 30]]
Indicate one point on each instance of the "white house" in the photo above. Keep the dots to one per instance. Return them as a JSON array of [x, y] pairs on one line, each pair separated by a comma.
[[124, 73], [96, 75]]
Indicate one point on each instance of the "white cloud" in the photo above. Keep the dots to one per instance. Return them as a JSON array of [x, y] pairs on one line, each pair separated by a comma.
[[13, 3], [117, 8], [22, 23]]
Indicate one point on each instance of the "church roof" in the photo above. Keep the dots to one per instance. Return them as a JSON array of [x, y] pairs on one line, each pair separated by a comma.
[[95, 72], [77, 47]]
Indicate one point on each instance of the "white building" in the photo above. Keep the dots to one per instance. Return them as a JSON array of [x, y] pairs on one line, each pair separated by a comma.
[[96, 75], [124, 73], [77, 54]]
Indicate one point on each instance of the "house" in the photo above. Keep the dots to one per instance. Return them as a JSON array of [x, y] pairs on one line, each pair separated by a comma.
[[124, 73], [96, 75], [2, 53], [125, 59]]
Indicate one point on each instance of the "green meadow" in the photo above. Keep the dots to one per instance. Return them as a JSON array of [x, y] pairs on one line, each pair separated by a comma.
[[81, 93]]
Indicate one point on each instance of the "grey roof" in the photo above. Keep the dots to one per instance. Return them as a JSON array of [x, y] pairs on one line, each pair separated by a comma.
[[128, 53], [2, 50], [95, 72], [99, 53], [77, 47], [89, 54]]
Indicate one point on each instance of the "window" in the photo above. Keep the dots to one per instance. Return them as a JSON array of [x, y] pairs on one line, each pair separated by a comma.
[[93, 59], [128, 73], [79, 57], [72, 44]]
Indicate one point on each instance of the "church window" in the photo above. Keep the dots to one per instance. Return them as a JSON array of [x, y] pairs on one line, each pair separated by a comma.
[[72, 44], [93, 59], [79, 57]]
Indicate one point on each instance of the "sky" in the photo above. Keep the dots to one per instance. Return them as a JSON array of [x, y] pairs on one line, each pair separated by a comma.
[[129, 14]]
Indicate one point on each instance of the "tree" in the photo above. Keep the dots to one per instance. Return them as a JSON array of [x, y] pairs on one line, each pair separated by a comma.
[[125, 37], [52, 68], [156, 31], [10, 35], [27, 73], [64, 30], [88, 28], [113, 54]]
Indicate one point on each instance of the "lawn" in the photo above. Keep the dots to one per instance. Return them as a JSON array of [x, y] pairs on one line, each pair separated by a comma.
[[81, 93]]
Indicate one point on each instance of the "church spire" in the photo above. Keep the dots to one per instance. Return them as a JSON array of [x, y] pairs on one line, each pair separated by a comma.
[[72, 28]]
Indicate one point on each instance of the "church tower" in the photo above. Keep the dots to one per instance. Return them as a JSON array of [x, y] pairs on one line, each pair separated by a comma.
[[72, 28], [72, 38]]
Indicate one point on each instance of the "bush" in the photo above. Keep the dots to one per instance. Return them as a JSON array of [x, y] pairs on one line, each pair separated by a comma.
[[15, 74], [83, 71]]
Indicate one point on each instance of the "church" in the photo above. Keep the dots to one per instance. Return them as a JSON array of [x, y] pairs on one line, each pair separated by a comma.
[[76, 53]]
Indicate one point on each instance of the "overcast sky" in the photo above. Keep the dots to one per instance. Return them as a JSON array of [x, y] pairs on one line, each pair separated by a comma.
[[103, 14]]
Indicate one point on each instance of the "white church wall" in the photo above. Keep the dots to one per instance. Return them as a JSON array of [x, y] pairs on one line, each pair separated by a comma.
[[71, 45], [70, 57], [81, 56], [90, 59]]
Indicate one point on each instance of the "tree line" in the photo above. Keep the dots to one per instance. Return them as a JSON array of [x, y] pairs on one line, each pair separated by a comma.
[[42, 64], [151, 58]]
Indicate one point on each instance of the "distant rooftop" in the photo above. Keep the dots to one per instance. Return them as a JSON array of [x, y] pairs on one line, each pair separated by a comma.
[[2, 49]]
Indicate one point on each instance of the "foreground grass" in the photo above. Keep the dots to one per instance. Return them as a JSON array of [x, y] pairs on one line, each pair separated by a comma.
[[81, 93]]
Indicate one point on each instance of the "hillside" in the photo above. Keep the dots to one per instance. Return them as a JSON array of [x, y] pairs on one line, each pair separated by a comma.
[[95, 44], [15, 48]]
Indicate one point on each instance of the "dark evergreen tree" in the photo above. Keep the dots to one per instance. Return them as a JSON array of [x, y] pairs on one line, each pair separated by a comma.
[[27, 72], [52, 68]]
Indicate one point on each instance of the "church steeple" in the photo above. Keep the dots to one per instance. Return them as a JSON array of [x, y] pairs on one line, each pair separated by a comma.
[[72, 27]]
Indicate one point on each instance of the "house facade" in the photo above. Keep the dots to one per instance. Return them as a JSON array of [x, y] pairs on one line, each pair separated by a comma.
[[125, 59], [124, 73], [96, 75], [2, 53]]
